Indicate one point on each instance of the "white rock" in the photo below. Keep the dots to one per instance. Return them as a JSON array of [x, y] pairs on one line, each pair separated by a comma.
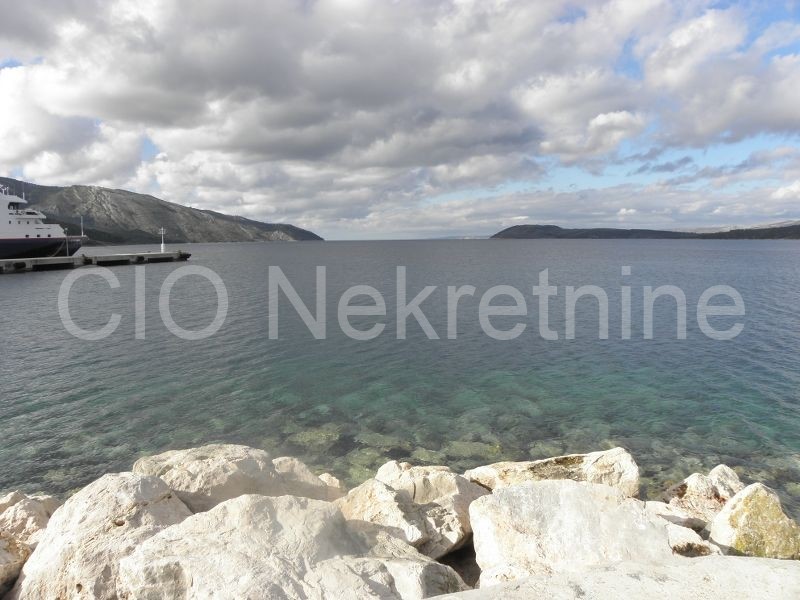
[[267, 548], [298, 480], [333, 482], [707, 578], [78, 555], [24, 517], [377, 503], [753, 523], [49, 503], [686, 542], [675, 515], [700, 496], [13, 555], [443, 498], [205, 476], [614, 467], [726, 481], [561, 525], [10, 500]]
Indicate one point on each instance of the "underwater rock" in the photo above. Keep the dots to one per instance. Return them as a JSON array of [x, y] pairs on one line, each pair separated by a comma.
[[467, 449]]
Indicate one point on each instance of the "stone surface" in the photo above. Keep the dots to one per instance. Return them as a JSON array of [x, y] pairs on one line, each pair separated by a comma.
[[753, 523], [13, 555], [674, 515], [298, 480], [687, 542], [726, 481], [333, 482], [377, 503], [708, 578], [614, 467], [279, 548], [534, 527], [701, 497], [442, 497], [78, 555], [25, 517], [10, 500], [205, 476]]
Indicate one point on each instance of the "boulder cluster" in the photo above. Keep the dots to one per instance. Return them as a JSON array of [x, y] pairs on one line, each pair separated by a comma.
[[227, 521]]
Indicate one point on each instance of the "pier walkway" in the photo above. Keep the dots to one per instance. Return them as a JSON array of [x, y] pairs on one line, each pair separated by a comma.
[[21, 265]]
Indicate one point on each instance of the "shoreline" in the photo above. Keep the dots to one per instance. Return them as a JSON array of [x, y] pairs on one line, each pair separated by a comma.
[[420, 531]]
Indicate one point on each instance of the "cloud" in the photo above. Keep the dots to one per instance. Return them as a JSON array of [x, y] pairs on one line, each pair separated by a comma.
[[665, 167], [787, 192], [355, 116]]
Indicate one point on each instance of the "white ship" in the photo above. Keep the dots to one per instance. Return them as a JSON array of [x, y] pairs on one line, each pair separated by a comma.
[[24, 234]]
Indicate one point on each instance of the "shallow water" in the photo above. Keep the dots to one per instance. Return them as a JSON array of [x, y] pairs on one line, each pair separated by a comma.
[[71, 410]]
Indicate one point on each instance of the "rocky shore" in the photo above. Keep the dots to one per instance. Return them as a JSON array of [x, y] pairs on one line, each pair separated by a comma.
[[227, 521]]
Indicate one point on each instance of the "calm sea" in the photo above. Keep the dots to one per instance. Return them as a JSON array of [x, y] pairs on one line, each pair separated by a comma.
[[71, 409]]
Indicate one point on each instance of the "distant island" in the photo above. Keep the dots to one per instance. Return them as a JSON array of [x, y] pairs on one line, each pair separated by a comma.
[[530, 232], [122, 217]]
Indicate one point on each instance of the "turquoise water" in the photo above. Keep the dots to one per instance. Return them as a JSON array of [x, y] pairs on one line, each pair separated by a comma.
[[71, 410]]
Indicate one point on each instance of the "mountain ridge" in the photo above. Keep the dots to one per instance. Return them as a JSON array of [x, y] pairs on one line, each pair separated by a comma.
[[116, 216], [787, 232]]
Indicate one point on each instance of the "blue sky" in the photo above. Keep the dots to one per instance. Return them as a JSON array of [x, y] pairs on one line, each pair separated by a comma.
[[367, 119]]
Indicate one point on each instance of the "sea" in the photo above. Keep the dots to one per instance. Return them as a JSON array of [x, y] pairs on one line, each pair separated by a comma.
[[274, 362]]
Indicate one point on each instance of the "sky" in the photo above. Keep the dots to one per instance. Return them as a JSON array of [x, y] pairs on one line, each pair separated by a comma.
[[371, 119]]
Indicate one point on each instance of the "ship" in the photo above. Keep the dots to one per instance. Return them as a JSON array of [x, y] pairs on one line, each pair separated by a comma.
[[24, 233]]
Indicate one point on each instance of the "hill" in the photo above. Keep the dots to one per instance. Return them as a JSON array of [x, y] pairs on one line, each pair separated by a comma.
[[554, 232], [121, 217], [529, 232]]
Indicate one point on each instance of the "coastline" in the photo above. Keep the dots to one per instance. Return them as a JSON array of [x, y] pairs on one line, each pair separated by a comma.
[[232, 521]]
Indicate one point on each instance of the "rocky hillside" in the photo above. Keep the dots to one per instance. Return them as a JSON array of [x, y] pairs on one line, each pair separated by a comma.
[[122, 217]]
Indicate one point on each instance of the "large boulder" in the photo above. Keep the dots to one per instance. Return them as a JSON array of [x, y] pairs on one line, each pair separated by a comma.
[[701, 497], [753, 523], [205, 476], [13, 555], [277, 549], [614, 467], [442, 497], [298, 480], [675, 515], [377, 503], [79, 552], [709, 578], [562, 525], [25, 517]]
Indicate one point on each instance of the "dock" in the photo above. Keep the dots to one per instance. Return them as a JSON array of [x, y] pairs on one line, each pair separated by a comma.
[[22, 265]]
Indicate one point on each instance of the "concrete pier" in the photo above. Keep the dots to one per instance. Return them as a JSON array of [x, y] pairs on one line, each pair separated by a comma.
[[22, 265]]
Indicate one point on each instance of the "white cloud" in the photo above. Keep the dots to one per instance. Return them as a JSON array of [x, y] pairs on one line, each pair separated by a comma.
[[345, 115], [788, 192]]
